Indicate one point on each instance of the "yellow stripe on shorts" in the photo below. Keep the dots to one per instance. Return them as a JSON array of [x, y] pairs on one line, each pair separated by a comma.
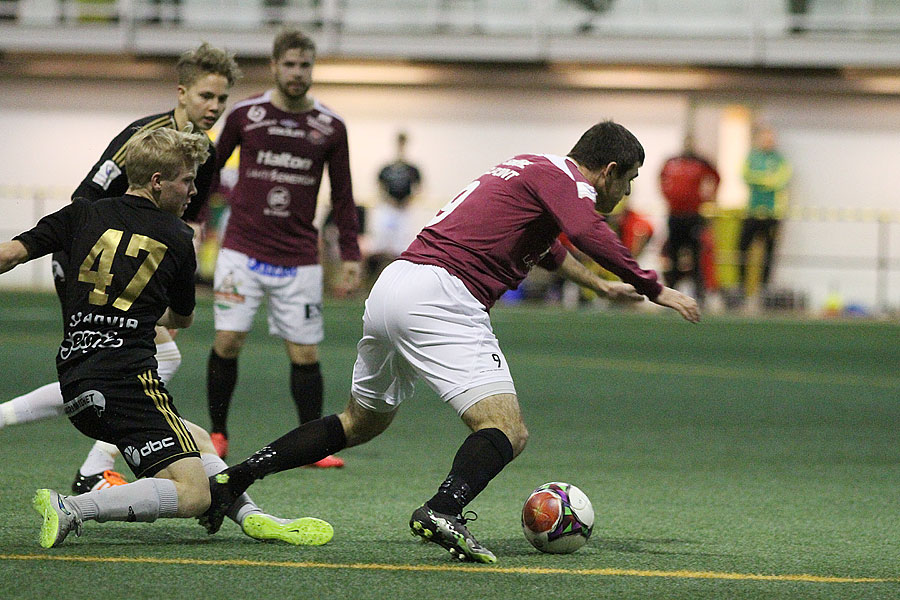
[[161, 400]]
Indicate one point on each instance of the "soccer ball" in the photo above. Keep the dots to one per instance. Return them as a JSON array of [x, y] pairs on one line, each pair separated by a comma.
[[557, 518]]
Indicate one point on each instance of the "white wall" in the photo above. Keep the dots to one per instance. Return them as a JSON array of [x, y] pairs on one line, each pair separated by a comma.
[[844, 150]]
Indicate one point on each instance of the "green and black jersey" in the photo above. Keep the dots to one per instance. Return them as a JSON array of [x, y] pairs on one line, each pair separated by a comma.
[[126, 262], [107, 177]]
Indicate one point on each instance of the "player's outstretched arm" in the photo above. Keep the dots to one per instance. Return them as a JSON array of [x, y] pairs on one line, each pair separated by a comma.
[[11, 254], [573, 270], [683, 304]]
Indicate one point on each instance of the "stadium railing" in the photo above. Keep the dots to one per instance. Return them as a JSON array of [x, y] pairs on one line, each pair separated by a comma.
[[740, 32]]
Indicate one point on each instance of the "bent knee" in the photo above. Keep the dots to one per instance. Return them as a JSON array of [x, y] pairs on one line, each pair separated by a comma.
[[517, 434], [518, 438], [361, 425], [228, 344]]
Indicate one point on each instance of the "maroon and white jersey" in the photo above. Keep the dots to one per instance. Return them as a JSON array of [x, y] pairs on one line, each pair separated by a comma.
[[282, 158], [508, 220]]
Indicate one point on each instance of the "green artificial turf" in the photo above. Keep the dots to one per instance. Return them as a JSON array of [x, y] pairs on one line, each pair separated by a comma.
[[731, 459]]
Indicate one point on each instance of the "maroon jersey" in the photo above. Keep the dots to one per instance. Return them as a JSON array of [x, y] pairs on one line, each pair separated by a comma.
[[509, 219], [283, 156]]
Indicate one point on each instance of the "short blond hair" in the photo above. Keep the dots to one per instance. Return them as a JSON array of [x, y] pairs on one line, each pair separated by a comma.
[[203, 60], [163, 150]]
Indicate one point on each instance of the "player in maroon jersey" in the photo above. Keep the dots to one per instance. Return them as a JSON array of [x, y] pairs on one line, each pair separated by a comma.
[[270, 246], [427, 317]]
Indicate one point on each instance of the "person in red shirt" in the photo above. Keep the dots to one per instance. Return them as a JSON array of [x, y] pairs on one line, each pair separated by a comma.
[[270, 247], [688, 181], [427, 317]]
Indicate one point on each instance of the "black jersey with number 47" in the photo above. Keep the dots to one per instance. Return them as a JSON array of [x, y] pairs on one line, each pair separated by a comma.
[[128, 261]]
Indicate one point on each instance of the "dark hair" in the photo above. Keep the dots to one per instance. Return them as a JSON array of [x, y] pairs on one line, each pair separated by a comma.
[[289, 39], [205, 59], [608, 142]]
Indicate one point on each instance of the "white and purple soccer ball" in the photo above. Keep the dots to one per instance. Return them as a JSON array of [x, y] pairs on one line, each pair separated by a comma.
[[557, 518]]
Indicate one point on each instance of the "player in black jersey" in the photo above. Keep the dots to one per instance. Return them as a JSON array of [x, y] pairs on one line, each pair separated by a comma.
[[205, 76], [130, 266]]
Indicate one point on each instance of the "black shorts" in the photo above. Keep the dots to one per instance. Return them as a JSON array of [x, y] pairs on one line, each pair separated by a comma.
[[134, 413]]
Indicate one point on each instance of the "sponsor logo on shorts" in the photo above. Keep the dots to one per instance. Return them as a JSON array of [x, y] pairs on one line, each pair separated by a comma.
[[227, 293], [313, 311], [257, 266], [85, 400], [133, 455]]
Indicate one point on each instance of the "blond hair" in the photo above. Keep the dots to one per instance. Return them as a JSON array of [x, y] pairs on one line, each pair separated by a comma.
[[203, 60], [163, 150]]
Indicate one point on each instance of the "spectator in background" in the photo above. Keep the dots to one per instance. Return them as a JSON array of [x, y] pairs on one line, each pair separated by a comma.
[[688, 181], [767, 173], [164, 12], [797, 11], [399, 183], [594, 8], [9, 10]]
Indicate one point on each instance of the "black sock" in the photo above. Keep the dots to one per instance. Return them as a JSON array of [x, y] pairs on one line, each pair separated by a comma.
[[302, 446], [221, 377], [307, 390], [480, 458]]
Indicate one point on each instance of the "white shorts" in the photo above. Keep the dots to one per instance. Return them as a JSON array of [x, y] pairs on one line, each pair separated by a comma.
[[295, 297], [420, 321]]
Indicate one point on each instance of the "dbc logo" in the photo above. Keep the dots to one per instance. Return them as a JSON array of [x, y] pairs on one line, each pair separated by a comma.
[[133, 455]]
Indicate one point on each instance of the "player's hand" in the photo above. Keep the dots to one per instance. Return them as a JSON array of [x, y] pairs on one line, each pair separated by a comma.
[[349, 277], [683, 304], [619, 291]]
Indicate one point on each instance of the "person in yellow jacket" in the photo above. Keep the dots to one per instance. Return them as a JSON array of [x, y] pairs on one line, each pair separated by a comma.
[[767, 173]]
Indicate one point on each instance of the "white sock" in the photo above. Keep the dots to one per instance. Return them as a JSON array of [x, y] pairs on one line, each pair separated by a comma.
[[42, 403], [102, 457], [244, 506], [144, 500], [168, 357]]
